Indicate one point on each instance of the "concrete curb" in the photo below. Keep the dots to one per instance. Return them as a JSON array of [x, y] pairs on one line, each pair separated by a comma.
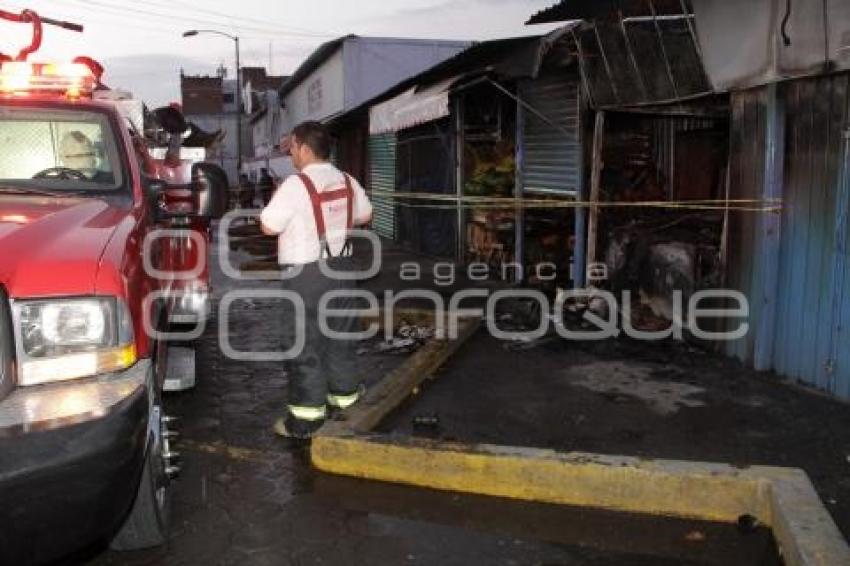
[[782, 498]]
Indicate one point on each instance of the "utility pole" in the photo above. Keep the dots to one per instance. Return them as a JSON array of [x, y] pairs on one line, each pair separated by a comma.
[[238, 112], [194, 32]]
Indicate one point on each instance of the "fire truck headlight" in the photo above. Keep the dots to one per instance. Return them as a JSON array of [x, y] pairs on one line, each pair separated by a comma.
[[70, 338], [71, 324]]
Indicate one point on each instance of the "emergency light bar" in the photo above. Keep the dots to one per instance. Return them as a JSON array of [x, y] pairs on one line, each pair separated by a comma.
[[22, 78]]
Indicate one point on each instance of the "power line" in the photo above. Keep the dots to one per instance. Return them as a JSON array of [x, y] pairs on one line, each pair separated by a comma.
[[208, 11], [101, 18], [121, 21], [170, 18], [176, 27]]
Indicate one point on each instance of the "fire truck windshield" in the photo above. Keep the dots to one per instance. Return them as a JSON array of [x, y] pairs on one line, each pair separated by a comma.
[[57, 150]]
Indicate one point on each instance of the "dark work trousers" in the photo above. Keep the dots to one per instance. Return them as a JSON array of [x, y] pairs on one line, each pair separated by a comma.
[[326, 365]]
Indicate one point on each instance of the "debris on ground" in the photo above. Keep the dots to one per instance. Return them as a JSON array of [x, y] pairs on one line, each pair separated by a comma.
[[407, 339], [427, 425]]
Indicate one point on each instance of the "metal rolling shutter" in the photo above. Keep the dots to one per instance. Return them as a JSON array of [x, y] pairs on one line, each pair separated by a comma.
[[382, 151], [553, 157]]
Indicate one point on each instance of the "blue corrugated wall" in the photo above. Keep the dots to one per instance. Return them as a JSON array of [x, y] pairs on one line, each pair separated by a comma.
[[812, 301]]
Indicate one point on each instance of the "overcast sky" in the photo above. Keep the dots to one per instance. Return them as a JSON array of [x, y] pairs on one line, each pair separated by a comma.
[[141, 46]]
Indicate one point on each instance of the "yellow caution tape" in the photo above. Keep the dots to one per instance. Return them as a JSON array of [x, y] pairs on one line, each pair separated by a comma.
[[504, 203]]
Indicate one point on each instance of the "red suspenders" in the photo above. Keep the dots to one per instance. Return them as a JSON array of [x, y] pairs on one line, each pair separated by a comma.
[[317, 198]]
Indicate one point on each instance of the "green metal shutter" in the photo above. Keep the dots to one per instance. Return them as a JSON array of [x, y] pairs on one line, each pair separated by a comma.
[[382, 150], [553, 154]]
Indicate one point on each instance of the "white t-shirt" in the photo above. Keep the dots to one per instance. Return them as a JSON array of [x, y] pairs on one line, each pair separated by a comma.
[[290, 214]]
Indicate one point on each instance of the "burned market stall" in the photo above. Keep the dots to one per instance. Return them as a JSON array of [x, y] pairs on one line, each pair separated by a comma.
[[669, 173], [784, 229], [657, 156]]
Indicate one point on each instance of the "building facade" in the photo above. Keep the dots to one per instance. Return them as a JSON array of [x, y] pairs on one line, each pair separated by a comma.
[[337, 77], [214, 103]]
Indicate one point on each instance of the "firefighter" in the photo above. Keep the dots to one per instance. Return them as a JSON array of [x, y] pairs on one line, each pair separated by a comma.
[[311, 213], [78, 153]]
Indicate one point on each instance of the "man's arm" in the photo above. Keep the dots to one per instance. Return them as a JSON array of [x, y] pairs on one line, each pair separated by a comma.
[[277, 214], [363, 219], [362, 206]]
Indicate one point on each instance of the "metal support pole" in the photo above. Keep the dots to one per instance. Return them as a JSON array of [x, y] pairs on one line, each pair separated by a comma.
[[595, 185], [459, 163], [579, 264], [770, 228], [519, 182], [238, 111]]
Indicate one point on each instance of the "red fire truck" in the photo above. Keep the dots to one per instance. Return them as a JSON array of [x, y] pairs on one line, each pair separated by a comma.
[[102, 247]]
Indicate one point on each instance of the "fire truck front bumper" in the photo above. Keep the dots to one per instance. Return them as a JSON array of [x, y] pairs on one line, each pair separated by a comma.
[[71, 457]]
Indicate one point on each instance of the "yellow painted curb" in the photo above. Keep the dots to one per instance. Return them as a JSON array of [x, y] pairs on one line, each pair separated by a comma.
[[623, 484], [782, 498]]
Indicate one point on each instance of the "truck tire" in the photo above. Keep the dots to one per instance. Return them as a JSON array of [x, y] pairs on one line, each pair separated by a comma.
[[7, 350], [148, 522]]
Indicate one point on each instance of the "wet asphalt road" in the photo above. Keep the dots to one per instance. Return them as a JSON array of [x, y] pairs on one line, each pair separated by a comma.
[[246, 497]]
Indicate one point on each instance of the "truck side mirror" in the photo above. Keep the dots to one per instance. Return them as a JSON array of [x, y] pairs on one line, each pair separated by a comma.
[[210, 188]]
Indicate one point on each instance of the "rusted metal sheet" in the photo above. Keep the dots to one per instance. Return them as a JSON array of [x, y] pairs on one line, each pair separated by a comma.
[[810, 308], [746, 164]]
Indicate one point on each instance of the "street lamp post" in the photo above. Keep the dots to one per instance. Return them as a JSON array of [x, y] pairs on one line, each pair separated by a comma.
[[194, 32]]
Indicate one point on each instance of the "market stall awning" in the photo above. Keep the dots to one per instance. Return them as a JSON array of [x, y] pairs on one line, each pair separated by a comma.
[[410, 108]]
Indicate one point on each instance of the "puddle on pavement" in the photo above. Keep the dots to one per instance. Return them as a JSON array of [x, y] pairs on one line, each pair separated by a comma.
[[565, 535]]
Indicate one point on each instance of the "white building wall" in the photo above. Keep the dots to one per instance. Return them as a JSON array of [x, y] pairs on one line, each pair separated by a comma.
[[320, 96], [374, 64]]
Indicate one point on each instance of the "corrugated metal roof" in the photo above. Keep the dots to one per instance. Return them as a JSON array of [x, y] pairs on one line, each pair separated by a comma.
[[593, 9], [326, 50], [514, 57]]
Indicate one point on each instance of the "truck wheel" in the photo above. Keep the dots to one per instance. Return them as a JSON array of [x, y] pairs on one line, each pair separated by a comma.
[[148, 521], [7, 353]]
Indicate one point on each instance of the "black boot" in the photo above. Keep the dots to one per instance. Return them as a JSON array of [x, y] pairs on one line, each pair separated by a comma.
[[290, 427]]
